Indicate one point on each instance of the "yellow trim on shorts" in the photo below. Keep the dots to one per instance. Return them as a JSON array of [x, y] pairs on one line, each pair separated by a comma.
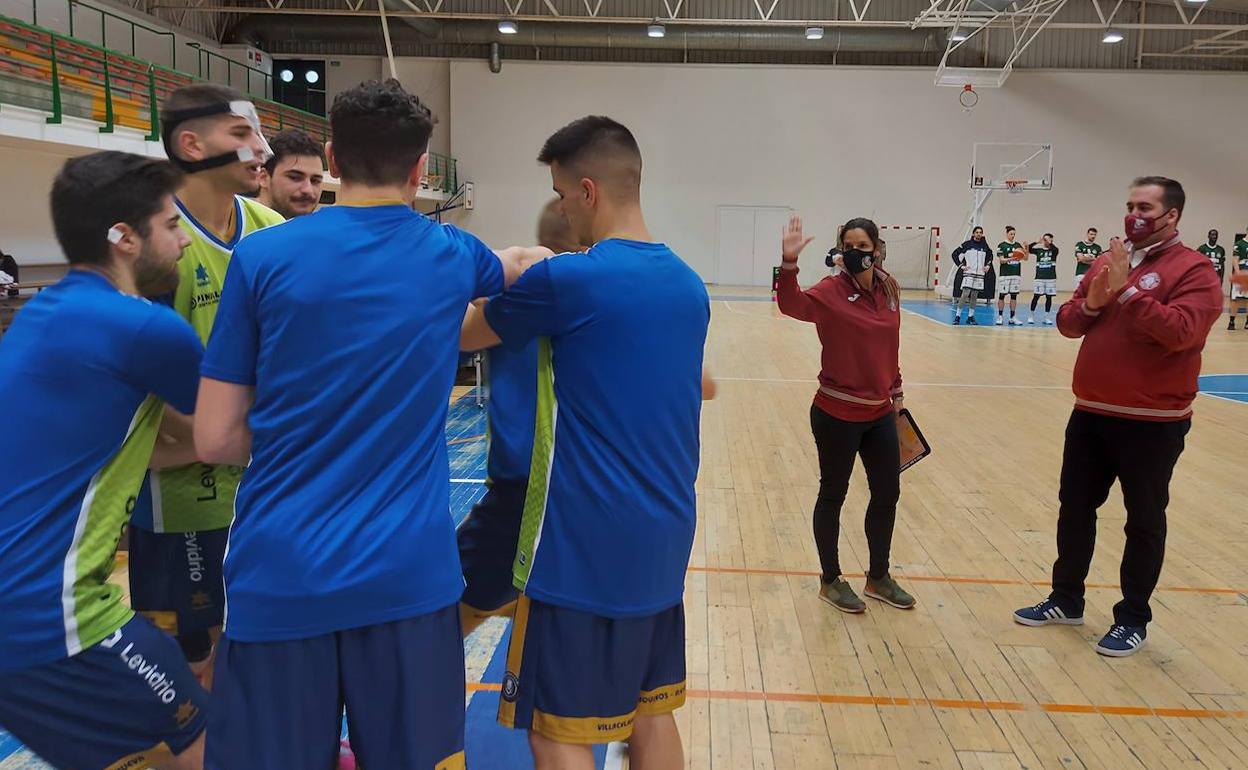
[[142, 759], [165, 620], [515, 656], [453, 762], [661, 700], [583, 730]]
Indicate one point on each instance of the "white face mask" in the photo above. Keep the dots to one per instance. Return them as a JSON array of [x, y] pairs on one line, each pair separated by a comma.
[[246, 110]]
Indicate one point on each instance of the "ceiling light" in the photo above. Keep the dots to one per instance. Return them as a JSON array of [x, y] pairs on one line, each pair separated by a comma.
[[507, 27], [311, 76], [656, 30], [286, 76], [1113, 36], [814, 33], [959, 35]]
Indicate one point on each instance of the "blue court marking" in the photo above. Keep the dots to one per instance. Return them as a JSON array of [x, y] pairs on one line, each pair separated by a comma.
[[942, 312], [1232, 387]]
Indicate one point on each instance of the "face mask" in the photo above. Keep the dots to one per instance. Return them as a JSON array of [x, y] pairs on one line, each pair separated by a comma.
[[857, 261], [1138, 228]]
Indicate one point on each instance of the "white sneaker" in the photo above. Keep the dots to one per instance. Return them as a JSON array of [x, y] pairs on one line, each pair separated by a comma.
[[1015, 322], [1031, 320], [1000, 320], [1048, 321]]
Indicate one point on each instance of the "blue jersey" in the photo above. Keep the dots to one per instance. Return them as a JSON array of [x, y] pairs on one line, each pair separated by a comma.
[[83, 370], [610, 510], [511, 410], [346, 322]]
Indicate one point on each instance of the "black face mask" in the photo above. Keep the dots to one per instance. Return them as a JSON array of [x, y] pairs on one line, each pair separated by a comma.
[[855, 261]]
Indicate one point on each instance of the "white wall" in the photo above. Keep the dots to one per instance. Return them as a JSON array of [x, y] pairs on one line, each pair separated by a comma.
[[836, 143], [25, 218], [430, 79]]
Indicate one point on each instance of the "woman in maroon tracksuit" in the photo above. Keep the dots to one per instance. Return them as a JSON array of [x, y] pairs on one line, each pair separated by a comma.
[[857, 316]]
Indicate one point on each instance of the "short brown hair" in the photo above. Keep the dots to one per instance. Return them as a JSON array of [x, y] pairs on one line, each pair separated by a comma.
[[1172, 195]]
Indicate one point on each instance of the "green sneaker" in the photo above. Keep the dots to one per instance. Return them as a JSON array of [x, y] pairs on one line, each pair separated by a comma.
[[886, 590], [840, 595]]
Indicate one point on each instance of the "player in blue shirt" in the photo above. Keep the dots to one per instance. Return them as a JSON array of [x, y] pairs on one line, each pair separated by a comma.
[[330, 367], [597, 649], [488, 536], [84, 369]]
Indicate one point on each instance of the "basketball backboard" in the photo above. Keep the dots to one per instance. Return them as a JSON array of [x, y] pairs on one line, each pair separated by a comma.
[[1003, 165]]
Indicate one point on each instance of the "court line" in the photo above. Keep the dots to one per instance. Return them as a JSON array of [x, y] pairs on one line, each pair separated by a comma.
[[908, 383], [465, 439], [467, 481], [961, 579], [945, 703]]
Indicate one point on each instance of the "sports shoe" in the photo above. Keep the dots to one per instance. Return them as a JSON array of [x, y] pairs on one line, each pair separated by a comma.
[[957, 320], [840, 595], [1031, 320], [972, 321], [1048, 321], [1000, 320], [1122, 641], [886, 590], [1015, 322], [1046, 613], [1231, 326]]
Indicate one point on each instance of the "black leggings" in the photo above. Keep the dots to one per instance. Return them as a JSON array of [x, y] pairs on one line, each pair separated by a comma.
[[1048, 302], [838, 442]]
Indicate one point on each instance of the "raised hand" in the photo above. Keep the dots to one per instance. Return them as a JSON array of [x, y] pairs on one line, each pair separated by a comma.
[[1119, 265], [1099, 293], [793, 240]]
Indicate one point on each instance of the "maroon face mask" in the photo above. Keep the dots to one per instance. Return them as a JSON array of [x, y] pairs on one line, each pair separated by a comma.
[[1137, 228]]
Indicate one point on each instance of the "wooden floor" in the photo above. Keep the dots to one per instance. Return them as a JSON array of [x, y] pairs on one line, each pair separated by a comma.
[[780, 680]]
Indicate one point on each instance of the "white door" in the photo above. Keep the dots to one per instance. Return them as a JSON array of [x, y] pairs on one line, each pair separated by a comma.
[[734, 246], [769, 223]]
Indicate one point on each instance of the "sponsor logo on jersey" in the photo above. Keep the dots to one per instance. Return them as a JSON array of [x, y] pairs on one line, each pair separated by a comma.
[[205, 298], [194, 558], [147, 670], [511, 687], [201, 275]]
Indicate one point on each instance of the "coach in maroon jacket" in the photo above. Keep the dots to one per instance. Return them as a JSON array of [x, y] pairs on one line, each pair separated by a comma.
[[1144, 316]]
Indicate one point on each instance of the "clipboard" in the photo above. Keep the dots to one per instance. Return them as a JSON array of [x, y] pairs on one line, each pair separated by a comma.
[[910, 440]]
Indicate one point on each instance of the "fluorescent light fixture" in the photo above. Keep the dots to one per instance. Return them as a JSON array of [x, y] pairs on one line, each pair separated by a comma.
[[656, 30], [508, 27], [959, 35], [814, 33], [286, 76], [1113, 36], [311, 76]]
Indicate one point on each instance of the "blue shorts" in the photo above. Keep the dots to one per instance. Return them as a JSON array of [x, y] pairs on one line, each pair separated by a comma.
[[279, 704], [176, 578], [128, 702], [575, 677], [488, 538]]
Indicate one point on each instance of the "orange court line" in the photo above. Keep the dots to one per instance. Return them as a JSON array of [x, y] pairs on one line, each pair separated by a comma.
[[464, 439], [958, 579], [945, 703]]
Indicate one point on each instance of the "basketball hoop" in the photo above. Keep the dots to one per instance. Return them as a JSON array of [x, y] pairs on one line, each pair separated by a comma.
[[968, 98], [1015, 185]]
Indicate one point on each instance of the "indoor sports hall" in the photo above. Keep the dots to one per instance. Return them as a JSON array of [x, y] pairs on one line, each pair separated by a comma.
[[1048, 118]]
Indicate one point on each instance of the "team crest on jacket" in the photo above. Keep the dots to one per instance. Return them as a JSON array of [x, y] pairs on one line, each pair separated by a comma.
[[1150, 281]]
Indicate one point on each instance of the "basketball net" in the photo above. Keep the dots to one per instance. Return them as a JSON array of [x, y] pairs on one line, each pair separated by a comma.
[[1014, 185], [968, 98]]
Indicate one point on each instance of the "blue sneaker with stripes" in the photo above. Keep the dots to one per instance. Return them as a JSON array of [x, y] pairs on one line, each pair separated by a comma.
[[1047, 612], [1122, 641]]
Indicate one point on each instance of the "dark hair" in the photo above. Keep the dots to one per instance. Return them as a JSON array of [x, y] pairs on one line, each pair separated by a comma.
[[1093, 230], [977, 227], [1011, 227], [1048, 235], [379, 132], [1172, 195], [292, 142], [595, 136], [863, 224], [93, 192], [195, 95]]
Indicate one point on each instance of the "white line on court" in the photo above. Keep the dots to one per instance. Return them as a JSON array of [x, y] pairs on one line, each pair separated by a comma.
[[467, 481], [732, 309], [989, 386]]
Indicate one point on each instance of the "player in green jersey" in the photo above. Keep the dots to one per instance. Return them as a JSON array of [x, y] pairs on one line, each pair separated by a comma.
[[1086, 252], [180, 522], [1239, 291], [1045, 283], [1011, 276]]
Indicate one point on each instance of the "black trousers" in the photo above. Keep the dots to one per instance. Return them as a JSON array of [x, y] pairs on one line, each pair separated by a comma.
[[1141, 456], [838, 442]]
